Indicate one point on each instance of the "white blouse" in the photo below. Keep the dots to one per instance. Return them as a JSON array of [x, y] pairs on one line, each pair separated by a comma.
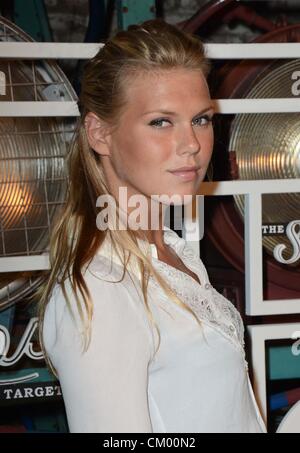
[[197, 382]]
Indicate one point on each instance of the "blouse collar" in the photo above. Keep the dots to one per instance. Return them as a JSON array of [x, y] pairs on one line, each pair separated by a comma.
[[170, 237]]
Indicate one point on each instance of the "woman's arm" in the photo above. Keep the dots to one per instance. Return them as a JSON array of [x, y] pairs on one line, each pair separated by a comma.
[[105, 388]]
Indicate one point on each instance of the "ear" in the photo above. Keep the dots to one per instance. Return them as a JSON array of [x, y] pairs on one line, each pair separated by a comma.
[[97, 134]]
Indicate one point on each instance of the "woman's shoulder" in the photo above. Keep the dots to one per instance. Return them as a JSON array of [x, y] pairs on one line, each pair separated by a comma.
[[112, 297], [104, 281]]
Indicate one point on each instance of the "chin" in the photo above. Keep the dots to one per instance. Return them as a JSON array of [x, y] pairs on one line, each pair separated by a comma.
[[182, 199], [175, 198]]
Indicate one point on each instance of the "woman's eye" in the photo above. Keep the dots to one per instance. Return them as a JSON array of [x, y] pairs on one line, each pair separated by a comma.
[[164, 122], [207, 119], [159, 122]]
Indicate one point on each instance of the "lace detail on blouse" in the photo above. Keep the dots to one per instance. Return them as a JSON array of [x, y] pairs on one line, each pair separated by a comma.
[[205, 301]]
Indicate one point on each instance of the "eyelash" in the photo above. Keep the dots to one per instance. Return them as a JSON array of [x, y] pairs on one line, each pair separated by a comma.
[[159, 120]]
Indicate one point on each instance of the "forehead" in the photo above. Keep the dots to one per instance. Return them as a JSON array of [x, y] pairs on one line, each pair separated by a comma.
[[168, 88]]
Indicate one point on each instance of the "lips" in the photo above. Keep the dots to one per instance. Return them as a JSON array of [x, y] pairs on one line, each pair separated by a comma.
[[185, 175], [184, 169]]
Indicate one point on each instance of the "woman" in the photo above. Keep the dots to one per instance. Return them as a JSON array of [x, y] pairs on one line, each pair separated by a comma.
[[130, 324]]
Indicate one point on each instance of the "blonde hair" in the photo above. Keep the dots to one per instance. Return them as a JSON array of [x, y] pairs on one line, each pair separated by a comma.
[[74, 240]]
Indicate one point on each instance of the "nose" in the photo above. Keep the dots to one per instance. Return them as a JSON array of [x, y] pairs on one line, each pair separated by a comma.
[[188, 141]]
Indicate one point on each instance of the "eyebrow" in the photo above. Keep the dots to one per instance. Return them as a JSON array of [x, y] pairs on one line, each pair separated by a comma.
[[168, 112]]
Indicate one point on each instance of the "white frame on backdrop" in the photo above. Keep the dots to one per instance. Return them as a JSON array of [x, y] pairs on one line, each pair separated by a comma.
[[259, 334]]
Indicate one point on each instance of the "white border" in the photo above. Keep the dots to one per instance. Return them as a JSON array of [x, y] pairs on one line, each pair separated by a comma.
[[221, 106], [38, 108], [24, 263], [259, 334], [82, 51]]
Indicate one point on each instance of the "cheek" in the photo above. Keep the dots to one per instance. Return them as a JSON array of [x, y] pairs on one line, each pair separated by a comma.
[[138, 159], [152, 152], [207, 142], [128, 151]]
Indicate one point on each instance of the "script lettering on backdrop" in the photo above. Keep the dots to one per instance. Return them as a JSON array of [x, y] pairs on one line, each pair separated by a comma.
[[292, 232], [25, 347]]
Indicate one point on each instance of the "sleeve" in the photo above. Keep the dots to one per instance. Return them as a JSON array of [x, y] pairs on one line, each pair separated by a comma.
[[105, 388]]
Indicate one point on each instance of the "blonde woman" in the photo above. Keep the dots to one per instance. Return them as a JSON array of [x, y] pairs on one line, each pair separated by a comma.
[[129, 322]]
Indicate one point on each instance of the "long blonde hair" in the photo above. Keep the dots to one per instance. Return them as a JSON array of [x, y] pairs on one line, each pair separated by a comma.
[[74, 240]]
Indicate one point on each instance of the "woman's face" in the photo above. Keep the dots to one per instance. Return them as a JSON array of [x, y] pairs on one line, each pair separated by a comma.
[[166, 125]]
